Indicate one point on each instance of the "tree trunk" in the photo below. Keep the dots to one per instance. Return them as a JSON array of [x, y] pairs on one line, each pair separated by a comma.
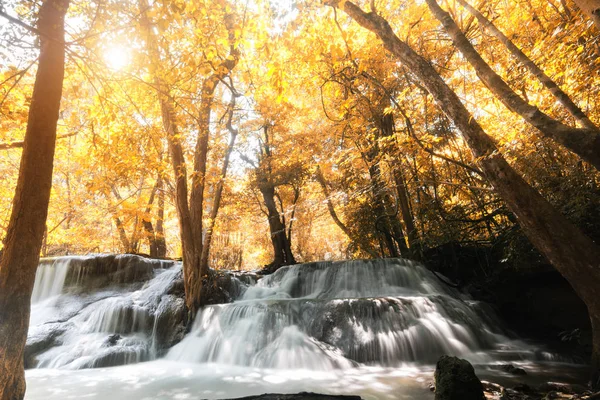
[[207, 92], [556, 91], [282, 253], [407, 217], [219, 192], [386, 223], [572, 253], [591, 8], [125, 244], [147, 224], [191, 254], [161, 243], [21, 253], [330, 207], [582, 141]]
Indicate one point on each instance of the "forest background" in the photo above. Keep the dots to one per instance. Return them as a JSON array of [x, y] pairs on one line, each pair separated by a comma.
[[361, 161], [286, 125]]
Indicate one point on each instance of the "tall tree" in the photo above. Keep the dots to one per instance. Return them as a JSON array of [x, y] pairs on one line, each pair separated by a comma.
[[572, 253], [584, 142], [528, 63], [189, 200], [27, 224], [591, 8]]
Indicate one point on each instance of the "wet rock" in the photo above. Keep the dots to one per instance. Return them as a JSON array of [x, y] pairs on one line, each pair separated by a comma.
[[169, 324], [491, 387], [299, 396], [106, 269], [523, 388], [455, 379], [40, 340], [511, 369], [217, 288], [117, 356], [113, 339], [548, 387]]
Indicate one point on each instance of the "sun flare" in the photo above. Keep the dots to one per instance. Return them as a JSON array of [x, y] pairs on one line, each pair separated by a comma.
[[116, 57]]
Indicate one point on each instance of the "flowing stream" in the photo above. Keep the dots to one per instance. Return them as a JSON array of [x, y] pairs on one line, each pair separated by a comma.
[[373, 328]]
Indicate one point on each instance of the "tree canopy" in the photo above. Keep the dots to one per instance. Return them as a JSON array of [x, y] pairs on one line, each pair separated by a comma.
[[361, 161]]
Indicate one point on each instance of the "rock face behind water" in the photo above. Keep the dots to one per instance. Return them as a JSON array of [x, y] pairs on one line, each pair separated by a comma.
[[455, 379]]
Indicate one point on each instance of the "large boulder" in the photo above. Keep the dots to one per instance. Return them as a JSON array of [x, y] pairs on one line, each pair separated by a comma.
[[455, 379]]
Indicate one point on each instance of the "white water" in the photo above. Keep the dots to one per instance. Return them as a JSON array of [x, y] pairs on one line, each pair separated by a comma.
[[334, 315], [373, 328], [81, 322], [50, 279]]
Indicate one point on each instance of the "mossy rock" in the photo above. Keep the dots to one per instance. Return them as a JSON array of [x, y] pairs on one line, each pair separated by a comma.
[[455, 379]]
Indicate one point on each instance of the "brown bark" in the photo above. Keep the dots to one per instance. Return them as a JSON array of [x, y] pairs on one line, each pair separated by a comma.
[[386, 222], [201, 152], [126, 245], [403, 200], [190, 212], [535, 70], [219, 192], [572, 253], [591, 8], [282, 249], [282, 253], [161, 243], [191, 256], [321, 180], [582, 141], [30, 205], [147, 224]]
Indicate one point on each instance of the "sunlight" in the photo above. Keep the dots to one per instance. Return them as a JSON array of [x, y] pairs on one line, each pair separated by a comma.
[[116, 57]]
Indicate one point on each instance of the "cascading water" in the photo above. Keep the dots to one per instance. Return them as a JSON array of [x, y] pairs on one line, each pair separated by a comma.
[[373, 328], [100, 311], [331, 315]]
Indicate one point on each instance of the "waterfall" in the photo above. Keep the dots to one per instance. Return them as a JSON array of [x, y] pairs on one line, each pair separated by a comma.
[[103, 310], [50, 278], [329, 315], [373, 328]]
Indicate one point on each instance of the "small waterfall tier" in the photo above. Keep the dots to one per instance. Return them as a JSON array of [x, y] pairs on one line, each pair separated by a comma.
[[103, 310], [332, 315]]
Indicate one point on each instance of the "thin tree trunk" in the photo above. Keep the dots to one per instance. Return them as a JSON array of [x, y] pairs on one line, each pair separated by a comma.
[[556, 91], [386, 223], [191, 254], [331, 208], [582, 141], [573, 254], [321, 180], [201, 152], [20, 256], [161, 243], [591, 8], [219, 192], [122, 234], [407, 217], [125, 243], [147, 224], [282, 254]]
